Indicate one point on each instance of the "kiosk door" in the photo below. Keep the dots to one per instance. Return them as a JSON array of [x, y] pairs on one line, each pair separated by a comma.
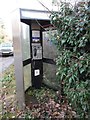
[[26, 54]]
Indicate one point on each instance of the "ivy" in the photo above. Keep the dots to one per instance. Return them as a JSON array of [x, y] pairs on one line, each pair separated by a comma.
[[73, 44]]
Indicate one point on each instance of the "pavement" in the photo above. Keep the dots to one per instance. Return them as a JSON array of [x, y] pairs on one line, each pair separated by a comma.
[[5, 62]]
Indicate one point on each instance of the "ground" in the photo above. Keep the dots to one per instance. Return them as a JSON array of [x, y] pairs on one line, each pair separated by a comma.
[[40, 103]]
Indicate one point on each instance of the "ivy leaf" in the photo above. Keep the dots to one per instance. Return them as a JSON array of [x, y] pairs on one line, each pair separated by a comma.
[[82, 70], [70, 80], [63, 41]]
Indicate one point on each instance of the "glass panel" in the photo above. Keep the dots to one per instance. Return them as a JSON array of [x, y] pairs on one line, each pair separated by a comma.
[[27, 76], [25, 41], [49, 49], [49, 74]]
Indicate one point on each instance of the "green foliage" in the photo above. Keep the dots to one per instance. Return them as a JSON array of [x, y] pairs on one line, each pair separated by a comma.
[[73, 43], [42, 94], [7, 78]]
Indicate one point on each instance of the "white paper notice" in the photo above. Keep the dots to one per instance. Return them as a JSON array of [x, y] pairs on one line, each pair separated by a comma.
[[37, 72]]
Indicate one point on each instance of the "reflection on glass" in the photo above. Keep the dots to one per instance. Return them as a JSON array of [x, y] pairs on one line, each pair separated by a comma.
[[49, 76], [27, 76], [25, 41], [49, 49], [49, 73]]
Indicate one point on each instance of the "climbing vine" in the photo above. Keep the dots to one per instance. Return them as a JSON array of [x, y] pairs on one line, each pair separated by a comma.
[[72, 40]]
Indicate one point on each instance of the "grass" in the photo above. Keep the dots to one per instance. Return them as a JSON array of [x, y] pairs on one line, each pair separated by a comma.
[[7, 91], [8, 80]]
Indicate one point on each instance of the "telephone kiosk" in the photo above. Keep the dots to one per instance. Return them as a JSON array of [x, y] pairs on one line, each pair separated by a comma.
[[28, 61], [36, 59]]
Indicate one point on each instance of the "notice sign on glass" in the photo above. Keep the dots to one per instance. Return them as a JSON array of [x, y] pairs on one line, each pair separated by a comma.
[[35, 36]]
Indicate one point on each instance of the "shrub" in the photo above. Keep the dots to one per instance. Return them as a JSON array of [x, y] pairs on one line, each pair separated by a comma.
[[73, 43]]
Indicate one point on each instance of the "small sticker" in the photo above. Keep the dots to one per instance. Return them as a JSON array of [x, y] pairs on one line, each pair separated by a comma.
[[37, 72]]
